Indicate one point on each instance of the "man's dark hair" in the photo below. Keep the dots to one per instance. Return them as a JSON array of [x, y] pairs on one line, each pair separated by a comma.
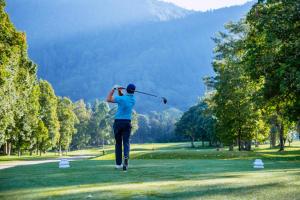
[[130, 88]]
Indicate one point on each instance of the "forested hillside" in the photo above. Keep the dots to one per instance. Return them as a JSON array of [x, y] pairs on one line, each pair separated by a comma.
[[162, 48]]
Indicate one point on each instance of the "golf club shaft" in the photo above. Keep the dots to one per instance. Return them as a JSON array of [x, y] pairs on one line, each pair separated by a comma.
[[146, 93], [153, 95]]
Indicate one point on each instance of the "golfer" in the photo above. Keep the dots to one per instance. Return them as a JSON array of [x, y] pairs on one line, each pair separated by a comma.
[[122, 124]]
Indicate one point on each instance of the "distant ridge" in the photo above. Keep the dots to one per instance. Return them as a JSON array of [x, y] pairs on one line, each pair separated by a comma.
[[162, 48], [167, 11]]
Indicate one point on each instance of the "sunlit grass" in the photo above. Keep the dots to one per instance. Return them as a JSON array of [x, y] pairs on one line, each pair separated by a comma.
[[159, 171], [155, 150], [153, 179], [183, 151]]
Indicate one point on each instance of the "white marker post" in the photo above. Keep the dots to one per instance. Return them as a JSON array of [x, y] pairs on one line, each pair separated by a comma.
[[258, 164], [64, 163]]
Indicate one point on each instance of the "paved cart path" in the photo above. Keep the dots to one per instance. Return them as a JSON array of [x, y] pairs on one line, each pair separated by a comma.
[[9, 164]]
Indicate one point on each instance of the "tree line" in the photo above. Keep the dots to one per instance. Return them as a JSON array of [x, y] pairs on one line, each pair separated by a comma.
[[157, 127], [32, 117], [256, 90], [254, 96]]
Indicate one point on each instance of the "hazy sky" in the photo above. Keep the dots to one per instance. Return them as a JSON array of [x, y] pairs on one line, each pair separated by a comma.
[[204, 5]]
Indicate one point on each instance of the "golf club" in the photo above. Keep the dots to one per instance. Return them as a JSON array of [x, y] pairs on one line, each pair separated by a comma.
[[164, 100], [153, 95]]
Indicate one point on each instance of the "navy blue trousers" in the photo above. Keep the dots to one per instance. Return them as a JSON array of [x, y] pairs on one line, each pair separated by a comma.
[[122, 129]]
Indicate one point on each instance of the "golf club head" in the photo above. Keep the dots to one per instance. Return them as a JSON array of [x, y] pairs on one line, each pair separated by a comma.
[[164, 100]]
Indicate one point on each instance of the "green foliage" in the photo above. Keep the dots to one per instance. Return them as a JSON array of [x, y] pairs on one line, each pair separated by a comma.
[[17, 87], [67, 120], [273, 52], [28, 107], [134, 123], [157, 126], [233, 102], [41, 137], [272, 55], [82, 136], [257, 74], [197, 124], [48, 112], [100, 126]]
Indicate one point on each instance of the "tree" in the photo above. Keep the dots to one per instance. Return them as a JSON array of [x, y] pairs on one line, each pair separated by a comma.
[[10, 41], [48, 114], [33, 117], [99, 126], [67, 120], [82, 136], [143, 133], [157, 126], [233, 102], [17, 80], [40, 137], [272, 57], [197, 124], [134, 122]]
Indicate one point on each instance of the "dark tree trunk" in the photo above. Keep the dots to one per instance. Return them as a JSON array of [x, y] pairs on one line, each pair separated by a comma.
[[9, 149], [248, 145], [256, 143], [231, 147], [239, 141], [192, 142], [6, 148], [19, 148], [273, 137], [37, 148], [103, 151], [281, 137], [85, 140], [60, 153]]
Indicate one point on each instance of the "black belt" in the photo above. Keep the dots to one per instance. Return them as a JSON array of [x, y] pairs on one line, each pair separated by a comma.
[[122, 120]]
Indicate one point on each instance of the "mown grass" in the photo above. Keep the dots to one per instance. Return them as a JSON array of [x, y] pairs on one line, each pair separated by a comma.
[[173, 151], [183, 151], [53, 155], [160, 171]]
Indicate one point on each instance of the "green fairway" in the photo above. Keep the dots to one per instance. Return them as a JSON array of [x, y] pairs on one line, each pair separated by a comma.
[[161, 171]]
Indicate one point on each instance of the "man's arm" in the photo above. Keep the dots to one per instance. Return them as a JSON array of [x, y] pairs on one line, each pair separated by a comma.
[[110, 97], [120, 91]]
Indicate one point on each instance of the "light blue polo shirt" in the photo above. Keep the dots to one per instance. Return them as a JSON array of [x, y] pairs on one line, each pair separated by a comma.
[[125, 105]]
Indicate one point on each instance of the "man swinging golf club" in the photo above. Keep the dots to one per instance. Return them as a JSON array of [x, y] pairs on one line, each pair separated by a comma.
[[122, 124]]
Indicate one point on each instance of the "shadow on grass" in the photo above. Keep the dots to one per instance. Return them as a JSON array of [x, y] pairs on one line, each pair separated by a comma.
[[207, 192], [181, 193]]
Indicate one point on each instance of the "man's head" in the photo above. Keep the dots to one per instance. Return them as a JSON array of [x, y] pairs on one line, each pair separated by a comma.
[[130, 88]]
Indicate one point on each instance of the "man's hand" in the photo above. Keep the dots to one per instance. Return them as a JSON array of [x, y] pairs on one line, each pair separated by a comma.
[[110, 97], [117, 87], [120, 91]]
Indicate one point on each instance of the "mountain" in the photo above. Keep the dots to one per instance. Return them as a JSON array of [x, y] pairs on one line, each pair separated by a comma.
[[45, 20], [84, 47]]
